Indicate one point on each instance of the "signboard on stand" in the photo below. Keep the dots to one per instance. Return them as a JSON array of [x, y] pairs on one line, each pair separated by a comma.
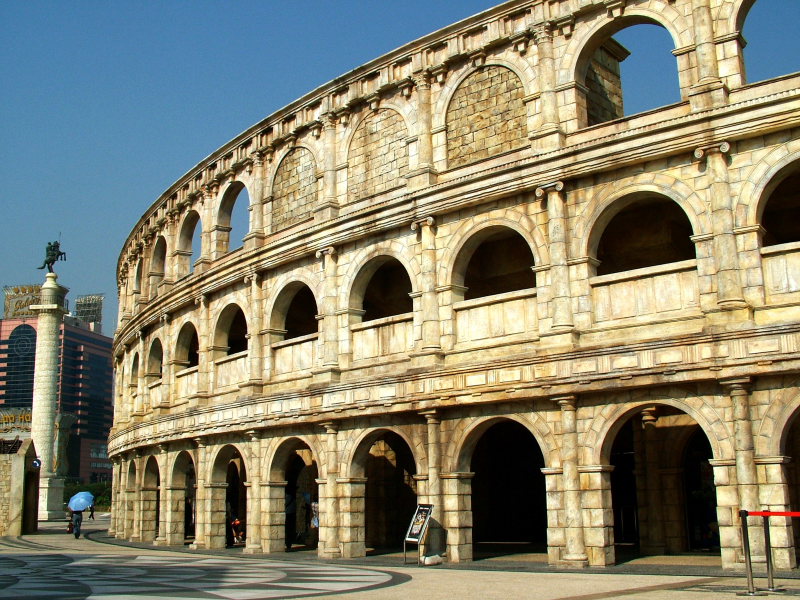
[[418, 527]]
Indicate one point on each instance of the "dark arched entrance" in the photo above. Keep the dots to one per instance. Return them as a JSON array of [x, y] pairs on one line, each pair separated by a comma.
[[662, 486], [509, 512]]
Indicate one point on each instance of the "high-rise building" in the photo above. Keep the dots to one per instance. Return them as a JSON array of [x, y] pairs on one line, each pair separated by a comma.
[[84, 387]]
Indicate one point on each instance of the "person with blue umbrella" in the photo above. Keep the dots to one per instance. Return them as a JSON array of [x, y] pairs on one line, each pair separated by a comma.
[[77, 504]]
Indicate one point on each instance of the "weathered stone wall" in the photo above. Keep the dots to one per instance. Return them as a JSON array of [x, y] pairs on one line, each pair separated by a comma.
[[294, 190], [378, 155]]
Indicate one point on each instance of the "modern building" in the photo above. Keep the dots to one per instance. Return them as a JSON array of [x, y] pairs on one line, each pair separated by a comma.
[[472, 280], [84, 387]]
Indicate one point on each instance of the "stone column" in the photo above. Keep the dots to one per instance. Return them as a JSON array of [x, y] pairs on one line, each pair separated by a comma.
[[431, 351], [49, 314], [775, 497], [254, 515], [273, 531], [256, 235], [575, 547], [457, 507], [329, 502], [329, 371], [351, 513], [424, 174], [205, 357], [328, 208], [436, 538], [202, 501], [746, 475], [599, 528], [730, 539], [255, 345], [709, 90], [561, 296], [729, 285], [115, 489], [653, 538], [548, 135]]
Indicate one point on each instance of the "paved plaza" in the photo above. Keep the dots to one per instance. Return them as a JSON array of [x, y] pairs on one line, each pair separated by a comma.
[[52, 565]]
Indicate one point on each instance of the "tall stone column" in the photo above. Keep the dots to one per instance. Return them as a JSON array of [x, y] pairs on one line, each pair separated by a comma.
[[729, 286], [436, 542], [50, 314], [709, 90], [559, 270], [424, 174], [205, 358], [548, 136], [202, 524], [328, 208], [255, 338], [431, 350], [746, 474], [329, 370], [253, 532], [329, 527], [575, 546]]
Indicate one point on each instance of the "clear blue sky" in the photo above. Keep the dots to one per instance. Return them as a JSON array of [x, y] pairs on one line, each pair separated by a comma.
[[105, 104]]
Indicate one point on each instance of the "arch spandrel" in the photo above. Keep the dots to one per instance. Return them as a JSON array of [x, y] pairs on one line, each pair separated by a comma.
[[776, 423], [457, 454], [358, 446]]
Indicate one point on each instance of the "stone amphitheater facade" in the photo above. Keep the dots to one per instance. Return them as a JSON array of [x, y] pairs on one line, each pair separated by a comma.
[[470, 280]]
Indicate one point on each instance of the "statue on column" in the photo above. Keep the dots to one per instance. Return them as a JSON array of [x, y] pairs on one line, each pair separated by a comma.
[[52, 254]]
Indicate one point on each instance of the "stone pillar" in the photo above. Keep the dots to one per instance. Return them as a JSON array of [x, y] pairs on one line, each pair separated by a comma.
[[49, 313], [115, 489], [254, 514], [548, 135], [746, 476], [205, 357], [561, 311], [175, 505], [273, 530], [729, 286], [457, 508], [430, 353], [255, 237], [202, 499], [556, 530], [352, 508], [575, 548], [599, 528], [653, 534], [730, 539], [774, 496], [709, 90], [328, 208], [329, 546], [436, 542], [255, 340], [329, 371], [424, 174]]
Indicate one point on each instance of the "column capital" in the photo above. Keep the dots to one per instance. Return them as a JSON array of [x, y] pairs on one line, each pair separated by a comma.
[[431, 416], [330, 427], [423, 222], [567, 403], [716, 148], [736, 386], [553, 186]]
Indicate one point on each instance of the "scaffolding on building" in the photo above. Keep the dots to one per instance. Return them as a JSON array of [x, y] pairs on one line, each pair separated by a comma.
[[89, 308]]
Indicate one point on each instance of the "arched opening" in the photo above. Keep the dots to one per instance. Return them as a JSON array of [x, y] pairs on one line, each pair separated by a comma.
[[770, 37], [500, 263], [189, 244], [233, 219], [158, 264], [187, 348], [627, 68], [390, 493], [184, 482], [646, 231], [228, 522], [662, 486], [387, 291], [301, 501], [130, 501], [295, 312], [20, 358], [137, 281], [150, 501], [509, 510], [133, 383], [779, 217], [155, 361], [792, 470], [231, 333]]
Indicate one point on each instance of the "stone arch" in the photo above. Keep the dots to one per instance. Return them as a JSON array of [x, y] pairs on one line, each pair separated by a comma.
[[597, 448], [526, 75], [151, 499], [229, 201], [183, 481], [294, 187], [377, 154], [187, 346], [775, 426], [231, 331], [584, 41], [282, 301], [276, 464], [733, 13], [590, 226], [762, 180], [158, 263], [468, 432], [363, 266], [191, 225], [221, 456], [486, 115], [155, 359], [228, 474], [134, 370], [354, 459]]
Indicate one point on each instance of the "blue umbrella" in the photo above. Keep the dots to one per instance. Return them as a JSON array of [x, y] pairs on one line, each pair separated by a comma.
[[81, 501]]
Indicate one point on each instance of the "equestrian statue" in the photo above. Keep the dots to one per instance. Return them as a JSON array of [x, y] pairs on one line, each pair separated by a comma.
[[52, 254]]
